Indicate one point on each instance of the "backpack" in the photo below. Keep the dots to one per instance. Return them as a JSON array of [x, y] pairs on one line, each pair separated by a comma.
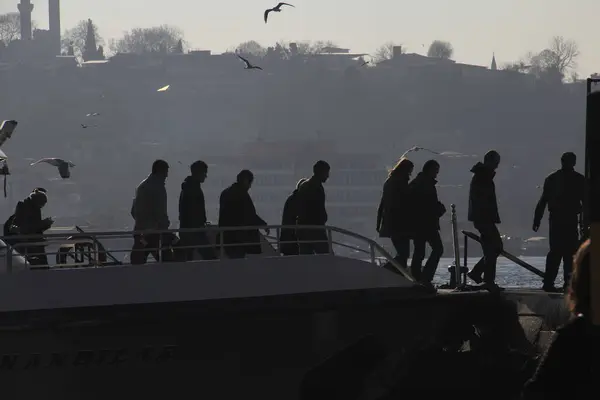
[[7, 230]]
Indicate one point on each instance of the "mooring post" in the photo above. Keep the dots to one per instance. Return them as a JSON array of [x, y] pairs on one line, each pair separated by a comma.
[[457, 268]]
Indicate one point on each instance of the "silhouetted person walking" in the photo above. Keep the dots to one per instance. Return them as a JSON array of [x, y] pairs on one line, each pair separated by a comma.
[[237, 209], [394, 209], [288, 239], [563, 195], [483, 212], [28, 221], [149, 210], [311, 211], [192, 213], [426, 211]]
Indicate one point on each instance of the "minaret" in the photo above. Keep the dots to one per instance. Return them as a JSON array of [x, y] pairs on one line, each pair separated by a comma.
[[25, 9], [494, 67], [54, 24]]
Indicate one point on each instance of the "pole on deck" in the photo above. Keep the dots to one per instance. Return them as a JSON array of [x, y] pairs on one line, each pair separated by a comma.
[[592, 145], [457, 268]]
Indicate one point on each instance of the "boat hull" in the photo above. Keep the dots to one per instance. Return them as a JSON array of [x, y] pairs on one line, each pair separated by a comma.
[[224, 349]]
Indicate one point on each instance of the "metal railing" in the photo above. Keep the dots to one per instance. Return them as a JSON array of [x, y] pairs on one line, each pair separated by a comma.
[[470, 235], [89, 249], [458, 277]]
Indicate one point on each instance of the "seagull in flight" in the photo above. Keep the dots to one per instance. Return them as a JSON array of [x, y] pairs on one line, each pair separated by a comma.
[[248, 65], [443, 153], [63, 166], [92, 114], [277, 8], [417, 148]]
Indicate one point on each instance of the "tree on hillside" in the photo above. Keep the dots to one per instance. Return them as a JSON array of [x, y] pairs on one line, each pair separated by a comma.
[[10, 27], [287, 49], [90, 50], [517, 66], [78, 36], [440, 49], [317, 47], [158, 39], [557, 60], [385, 52], [252, 48]]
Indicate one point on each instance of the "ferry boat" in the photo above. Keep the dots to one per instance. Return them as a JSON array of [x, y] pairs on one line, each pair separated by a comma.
[[92, 326]]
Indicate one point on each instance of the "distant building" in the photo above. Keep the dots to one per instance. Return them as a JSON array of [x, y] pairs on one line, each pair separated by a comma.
[[35, 45]]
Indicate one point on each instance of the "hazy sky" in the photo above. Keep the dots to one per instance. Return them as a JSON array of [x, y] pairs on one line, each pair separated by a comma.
[[476, 28]]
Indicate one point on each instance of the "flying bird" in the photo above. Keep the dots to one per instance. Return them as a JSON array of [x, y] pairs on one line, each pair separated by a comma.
[[92, 114], [164, 88], [443, 153], [417, 148], [277, 8], [6, 130], [63, 166], [248, 65]]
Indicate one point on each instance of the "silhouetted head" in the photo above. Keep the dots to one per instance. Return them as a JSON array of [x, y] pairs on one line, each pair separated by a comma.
[[39, 198], [568, 160], [431, 168], [300, 182], [160, 168], [40, 190], [199, 170], [491, 159], [321, 170], [579, 295], [245, 178], [404, 167]]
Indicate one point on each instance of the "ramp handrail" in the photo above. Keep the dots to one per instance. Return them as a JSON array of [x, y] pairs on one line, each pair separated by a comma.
[[93, 239], [506, 255]]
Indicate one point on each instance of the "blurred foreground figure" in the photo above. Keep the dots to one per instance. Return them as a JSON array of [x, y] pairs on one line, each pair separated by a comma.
[[571, 361]]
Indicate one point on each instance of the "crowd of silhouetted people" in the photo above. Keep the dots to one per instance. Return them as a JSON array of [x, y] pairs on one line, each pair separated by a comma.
[[409, 210], [305, 206]]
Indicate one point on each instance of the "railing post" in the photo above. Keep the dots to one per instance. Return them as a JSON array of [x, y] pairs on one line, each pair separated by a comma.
[[372, 251], [456, 246], [96, 255], [330, 240], [466, 251]]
